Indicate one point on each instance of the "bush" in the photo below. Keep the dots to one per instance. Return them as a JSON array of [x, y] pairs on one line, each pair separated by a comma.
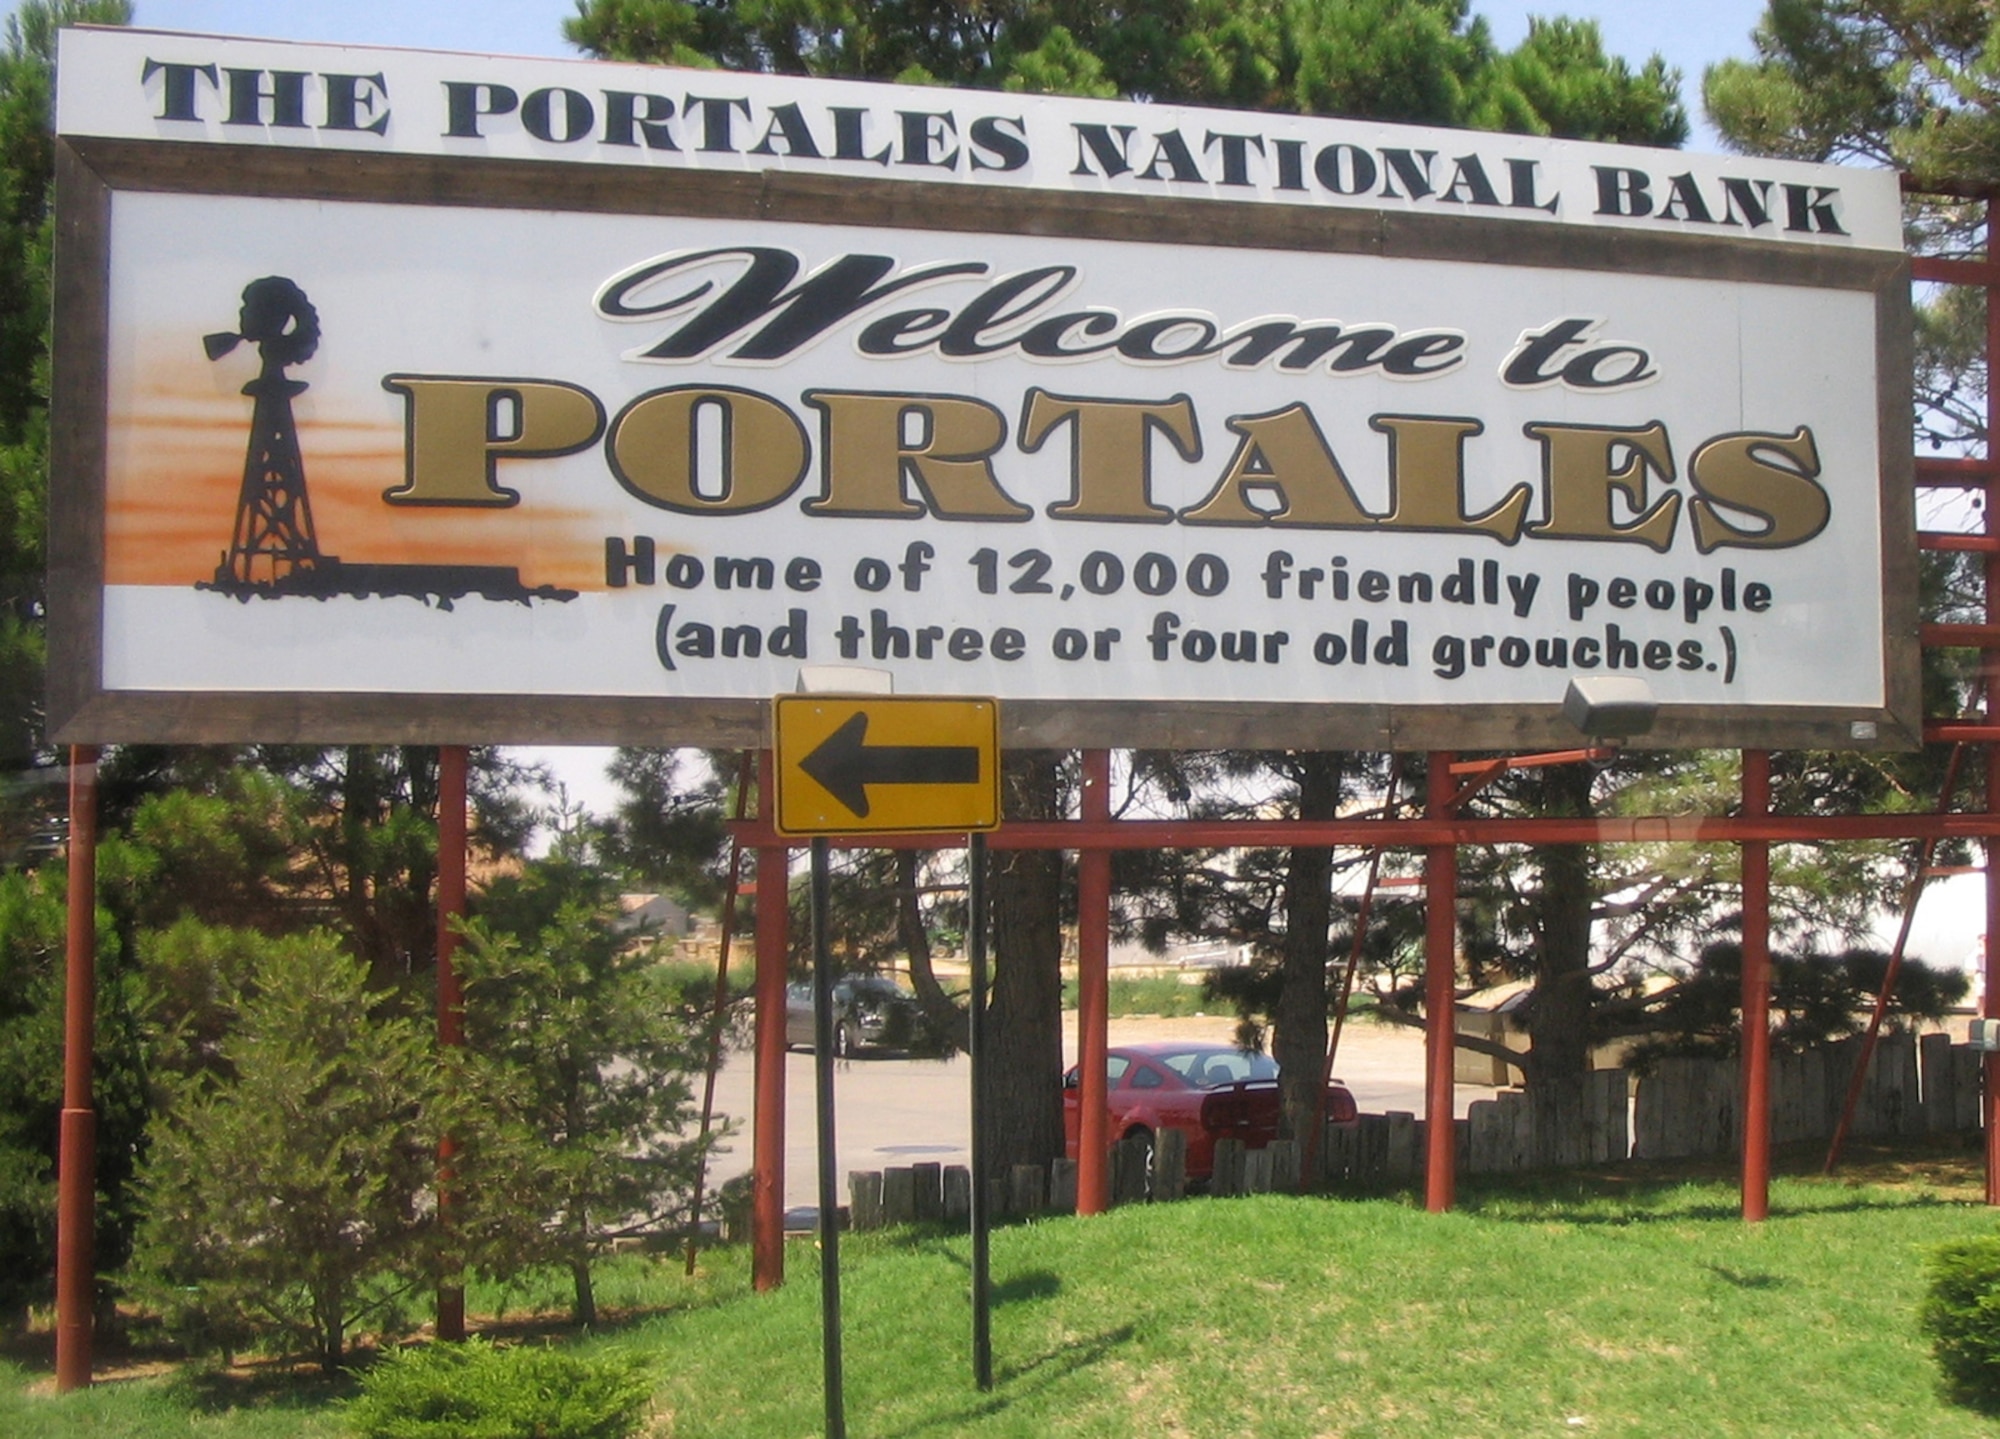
[[284, 1184], [1961, 1314], [1161, 994], [475, 1391]]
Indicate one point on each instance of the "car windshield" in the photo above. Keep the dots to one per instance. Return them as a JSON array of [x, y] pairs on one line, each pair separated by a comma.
[[1212, 1068]]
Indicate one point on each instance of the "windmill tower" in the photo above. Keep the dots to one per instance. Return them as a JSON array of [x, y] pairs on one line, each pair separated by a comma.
[[274, 544]]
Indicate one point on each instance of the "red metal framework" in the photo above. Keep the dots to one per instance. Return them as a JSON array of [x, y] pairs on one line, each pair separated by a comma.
[[76, 1182], [1981, 475], [1437, 834], [1440, 831], [450, 995]]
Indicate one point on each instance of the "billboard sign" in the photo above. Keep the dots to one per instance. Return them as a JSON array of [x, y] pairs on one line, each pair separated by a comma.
[[409, 396]]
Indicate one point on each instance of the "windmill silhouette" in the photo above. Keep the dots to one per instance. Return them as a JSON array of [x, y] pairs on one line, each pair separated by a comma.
[[274, 550], [274, 544]]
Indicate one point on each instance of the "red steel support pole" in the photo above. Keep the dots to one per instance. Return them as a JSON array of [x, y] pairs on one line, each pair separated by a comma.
[[1093, 993], [1989, 666], [450, 997], [1913, 892], [767, 1192], [1756, 993], [1990, 1005], [1440, 996], [76, 1165], [1421, 833], [718, 1008]]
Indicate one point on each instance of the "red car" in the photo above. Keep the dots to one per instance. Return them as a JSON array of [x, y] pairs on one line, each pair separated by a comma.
[[1207, 1091]]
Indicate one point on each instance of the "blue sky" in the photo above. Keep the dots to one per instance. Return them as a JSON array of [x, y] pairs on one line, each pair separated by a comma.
[[1690, 34]]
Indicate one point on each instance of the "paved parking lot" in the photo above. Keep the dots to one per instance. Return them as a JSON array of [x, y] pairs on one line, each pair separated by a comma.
[[892, 1111]]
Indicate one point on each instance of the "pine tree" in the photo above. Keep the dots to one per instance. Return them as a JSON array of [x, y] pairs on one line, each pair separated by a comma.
[[283, 1184], [27, 169], [573, 1087]]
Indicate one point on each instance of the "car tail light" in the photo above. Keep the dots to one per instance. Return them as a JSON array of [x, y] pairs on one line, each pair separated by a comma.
[[1340, 1107]]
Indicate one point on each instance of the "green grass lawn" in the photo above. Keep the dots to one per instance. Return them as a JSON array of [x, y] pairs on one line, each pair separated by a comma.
[[1591, 1306]]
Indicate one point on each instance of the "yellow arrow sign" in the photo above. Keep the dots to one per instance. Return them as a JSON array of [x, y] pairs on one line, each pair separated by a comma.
[[881, 764]]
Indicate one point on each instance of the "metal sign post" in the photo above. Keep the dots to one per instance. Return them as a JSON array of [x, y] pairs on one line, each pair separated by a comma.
[[875, 764], [829, 1196], [982, 1276], [76, 1183]]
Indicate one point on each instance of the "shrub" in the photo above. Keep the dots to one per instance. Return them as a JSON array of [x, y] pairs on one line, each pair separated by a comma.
[[475, 1391], [574, 1095], [1960, 1312], [284, 1184], [1161, 994]]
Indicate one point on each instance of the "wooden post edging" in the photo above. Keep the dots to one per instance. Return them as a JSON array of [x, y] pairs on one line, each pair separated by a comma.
[[864, 1198], [1685, 1108], [1131, 1169], [899, 1196], [1027, 1195], [1062, 1186], [1681, 1109], [927, 1183], [957, 1193], [1257, 1171], [1170, 1165], [1284, 1166], [1226, 1179]]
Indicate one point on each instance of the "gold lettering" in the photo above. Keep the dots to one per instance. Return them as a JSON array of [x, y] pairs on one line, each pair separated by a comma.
[[457, 430], [1110, 453], [867, 461], [1283, 454], [1427, 479], [654, 441], [1578, 479], [1734, 470]]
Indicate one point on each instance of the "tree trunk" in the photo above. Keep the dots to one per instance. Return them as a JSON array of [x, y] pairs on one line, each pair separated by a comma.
[[940, 1014], [361, 806], [1299, 1017], [585, 1307], [330, 1308], [412, 918], [576, 1216], [1559, 1017], [1022, 1066]]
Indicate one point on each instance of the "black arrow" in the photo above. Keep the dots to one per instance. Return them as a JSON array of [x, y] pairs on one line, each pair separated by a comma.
[[845, 764]]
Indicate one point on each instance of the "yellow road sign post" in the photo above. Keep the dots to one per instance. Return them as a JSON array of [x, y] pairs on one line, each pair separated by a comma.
[[881, 764], [885, 764]]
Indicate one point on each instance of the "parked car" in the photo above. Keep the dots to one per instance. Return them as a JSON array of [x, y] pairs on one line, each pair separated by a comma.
[[1206, 1091], [869, 1012]]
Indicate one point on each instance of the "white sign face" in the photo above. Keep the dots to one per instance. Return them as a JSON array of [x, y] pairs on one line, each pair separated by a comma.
[[364, 448]]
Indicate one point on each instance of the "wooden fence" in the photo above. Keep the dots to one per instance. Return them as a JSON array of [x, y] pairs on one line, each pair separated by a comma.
[[1683, 1108], [1687, 1108], [879, 1198]]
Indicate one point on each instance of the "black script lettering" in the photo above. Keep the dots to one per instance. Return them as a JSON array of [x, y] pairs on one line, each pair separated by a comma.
[[794, 315]]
